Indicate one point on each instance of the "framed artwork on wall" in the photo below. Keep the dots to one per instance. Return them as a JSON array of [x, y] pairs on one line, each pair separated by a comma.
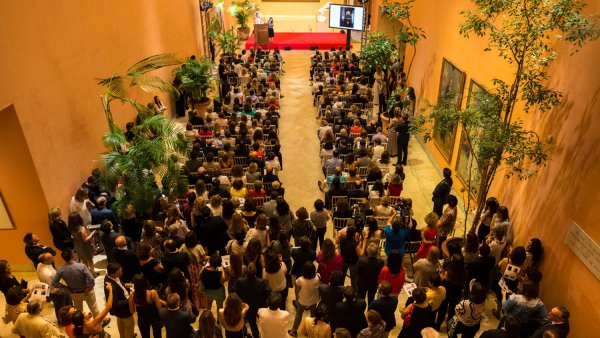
[[467, 166], [452, 80], [5, 218]]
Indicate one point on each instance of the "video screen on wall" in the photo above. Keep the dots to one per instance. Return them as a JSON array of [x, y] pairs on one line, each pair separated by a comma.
[[346, 17]]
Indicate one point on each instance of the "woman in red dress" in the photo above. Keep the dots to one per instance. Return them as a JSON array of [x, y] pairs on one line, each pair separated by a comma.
[[428, 235]]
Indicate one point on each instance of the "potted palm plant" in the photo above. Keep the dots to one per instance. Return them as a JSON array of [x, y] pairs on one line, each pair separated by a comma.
[[242, 11], [228, 41], [196, 76], [132, 168]]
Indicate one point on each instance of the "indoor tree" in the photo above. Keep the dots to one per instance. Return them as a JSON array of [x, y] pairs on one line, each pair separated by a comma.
[[242, 11], [228, 41], [132, 168], [197, 77], [409, 34], [524, 33], [378, 51]]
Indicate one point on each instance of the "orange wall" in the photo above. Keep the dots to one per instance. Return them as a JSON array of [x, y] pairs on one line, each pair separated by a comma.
[[51, 53], [565, 190], [20, 188]]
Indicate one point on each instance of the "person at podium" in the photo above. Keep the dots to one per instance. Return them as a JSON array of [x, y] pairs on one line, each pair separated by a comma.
[[258, 18], [271, 29]]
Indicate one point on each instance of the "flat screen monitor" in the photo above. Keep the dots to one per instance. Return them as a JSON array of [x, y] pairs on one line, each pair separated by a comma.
[[346, 17]]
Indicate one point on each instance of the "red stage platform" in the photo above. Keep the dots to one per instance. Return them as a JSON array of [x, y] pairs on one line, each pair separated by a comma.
[[323, 41]]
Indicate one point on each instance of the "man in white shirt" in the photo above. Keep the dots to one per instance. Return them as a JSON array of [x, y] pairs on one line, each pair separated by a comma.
[[272, 320], [46, 272], [32, 325], [337, 106]]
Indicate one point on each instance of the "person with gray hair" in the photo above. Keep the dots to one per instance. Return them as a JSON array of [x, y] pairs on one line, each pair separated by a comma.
[[379, 135], [178, 323], [30, 324], [367, 271]]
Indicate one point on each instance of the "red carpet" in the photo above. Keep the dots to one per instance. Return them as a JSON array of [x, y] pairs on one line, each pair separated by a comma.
[[323, 41]]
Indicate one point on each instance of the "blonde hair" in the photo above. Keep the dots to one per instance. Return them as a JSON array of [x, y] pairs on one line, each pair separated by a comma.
[[54, 215], [199, 204], [252, 168], [431, 219]]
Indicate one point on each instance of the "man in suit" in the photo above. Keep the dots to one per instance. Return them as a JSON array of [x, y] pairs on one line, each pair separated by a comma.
[[126, 258], [178, 323], [212, 232], [101, 212], [366, 268], [254, 292], [351, 312], [558, 323], [120, 307], [174, 259], [385, 305], [33, 249], [441, 192], [403, 130], [109, 236]]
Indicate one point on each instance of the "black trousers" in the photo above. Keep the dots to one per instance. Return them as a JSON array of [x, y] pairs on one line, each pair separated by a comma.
[[438, 208], [251, 320], [368, 292], [402, 150], [320, 238]]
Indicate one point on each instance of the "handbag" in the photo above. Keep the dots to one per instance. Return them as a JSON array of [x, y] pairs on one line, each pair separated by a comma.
[[451, 326], [409, 316]]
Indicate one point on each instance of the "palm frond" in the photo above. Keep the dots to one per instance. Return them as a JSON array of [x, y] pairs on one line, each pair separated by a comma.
[[114, 139], [114, 84], [152, 63], [152, 83]]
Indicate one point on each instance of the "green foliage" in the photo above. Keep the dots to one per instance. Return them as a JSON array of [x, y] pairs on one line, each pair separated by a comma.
[[526, 34], [229, 41], [400, 11], [117, 86], [496, 145], [409, 34], [242, 11], [133, 169], [197, 77], [378, 51]]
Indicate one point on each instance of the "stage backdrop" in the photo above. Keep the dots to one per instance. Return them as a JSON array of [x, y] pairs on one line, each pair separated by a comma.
[[290, 18]]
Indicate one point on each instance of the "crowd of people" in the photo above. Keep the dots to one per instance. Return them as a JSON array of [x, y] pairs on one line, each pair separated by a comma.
[[233, 241]]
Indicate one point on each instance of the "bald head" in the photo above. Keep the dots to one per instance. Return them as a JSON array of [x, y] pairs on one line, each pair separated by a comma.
[[101, 201], [275, 184], [121, 242], [46, 258]]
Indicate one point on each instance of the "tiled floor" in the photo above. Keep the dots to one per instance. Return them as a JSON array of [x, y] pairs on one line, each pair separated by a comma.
[[300, 150]]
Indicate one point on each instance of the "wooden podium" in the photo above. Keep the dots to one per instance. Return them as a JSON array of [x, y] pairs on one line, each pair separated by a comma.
[[261, 35]]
